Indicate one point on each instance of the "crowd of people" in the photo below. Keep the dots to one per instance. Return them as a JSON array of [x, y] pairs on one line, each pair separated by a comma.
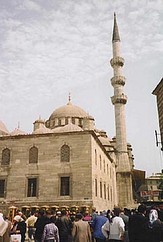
[[138, 225]]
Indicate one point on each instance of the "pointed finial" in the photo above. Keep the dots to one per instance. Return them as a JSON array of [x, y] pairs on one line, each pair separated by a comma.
[[18, 125], [69, 97], [115, 37]]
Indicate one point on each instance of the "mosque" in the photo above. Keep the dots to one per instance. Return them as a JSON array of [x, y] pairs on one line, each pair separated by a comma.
[[66, 162]]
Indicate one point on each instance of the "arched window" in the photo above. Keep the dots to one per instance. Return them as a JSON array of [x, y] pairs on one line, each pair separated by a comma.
[[6, 156], [33, 155], [65, 153]]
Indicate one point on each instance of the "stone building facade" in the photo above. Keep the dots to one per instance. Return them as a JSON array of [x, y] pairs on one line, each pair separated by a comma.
[[65, 165], [158, 91]]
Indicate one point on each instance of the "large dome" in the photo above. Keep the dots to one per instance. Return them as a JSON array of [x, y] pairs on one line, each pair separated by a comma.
[[70, 113], [69, 110]]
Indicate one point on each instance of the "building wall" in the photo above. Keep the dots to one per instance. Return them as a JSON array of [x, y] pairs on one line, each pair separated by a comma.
[[103, 170], [159, 94], [49, 169]]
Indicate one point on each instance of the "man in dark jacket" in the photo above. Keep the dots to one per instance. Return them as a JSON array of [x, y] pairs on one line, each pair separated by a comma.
[[64, 225], [39, 225], [138, 226]]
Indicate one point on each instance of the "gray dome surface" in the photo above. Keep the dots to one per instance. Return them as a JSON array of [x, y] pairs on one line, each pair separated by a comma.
[[69, 110]]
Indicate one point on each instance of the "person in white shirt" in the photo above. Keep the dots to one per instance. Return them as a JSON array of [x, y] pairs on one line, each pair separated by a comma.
[[114, 228]]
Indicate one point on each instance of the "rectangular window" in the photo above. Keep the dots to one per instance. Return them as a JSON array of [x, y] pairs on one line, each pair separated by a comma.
[[32, 187], [80, 122], [2, 188], [73, 120], [104, 191], [108, 193], [101, 189], [96, 187], [65, 186]]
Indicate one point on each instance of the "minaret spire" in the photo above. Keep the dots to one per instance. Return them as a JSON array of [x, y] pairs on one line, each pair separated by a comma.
[[123, 170], [115, 37]]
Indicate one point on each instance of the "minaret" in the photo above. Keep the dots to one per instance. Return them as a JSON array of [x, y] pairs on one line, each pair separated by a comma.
[[123, 170]]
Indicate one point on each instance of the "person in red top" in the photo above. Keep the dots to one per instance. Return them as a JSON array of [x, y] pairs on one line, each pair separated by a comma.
[[87, 217]]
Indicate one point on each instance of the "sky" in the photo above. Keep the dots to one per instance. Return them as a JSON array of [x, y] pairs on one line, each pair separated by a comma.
[[51, 48]]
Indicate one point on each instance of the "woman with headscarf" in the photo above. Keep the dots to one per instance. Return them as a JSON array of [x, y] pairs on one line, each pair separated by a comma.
[[19, 227], [155, 227]]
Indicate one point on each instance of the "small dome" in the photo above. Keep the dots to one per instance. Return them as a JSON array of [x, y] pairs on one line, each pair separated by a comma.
[[68, 128], [3, 129], [42, 130], [17, 131], [69, 110], [40, 121]]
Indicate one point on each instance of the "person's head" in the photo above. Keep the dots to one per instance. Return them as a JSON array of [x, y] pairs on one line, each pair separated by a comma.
[[17, 219], [86, 213], [58, 213], [48, 213], [20, 213], [41, 213], [126, 211], [116, 211], [153, 215], [79, 216], [32, 213], [63, 213], [142, 209]]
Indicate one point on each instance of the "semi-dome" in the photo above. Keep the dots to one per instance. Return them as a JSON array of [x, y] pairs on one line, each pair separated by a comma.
[[69, 110], [3, 129], [17, 131]]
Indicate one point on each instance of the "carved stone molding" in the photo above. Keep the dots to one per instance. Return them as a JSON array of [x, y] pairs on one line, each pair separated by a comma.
[[118, 80], [117, 61], [119, 99]]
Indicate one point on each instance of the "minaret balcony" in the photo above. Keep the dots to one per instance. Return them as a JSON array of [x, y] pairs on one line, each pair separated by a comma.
[[118, 80], [117, 61], [119, 99]]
